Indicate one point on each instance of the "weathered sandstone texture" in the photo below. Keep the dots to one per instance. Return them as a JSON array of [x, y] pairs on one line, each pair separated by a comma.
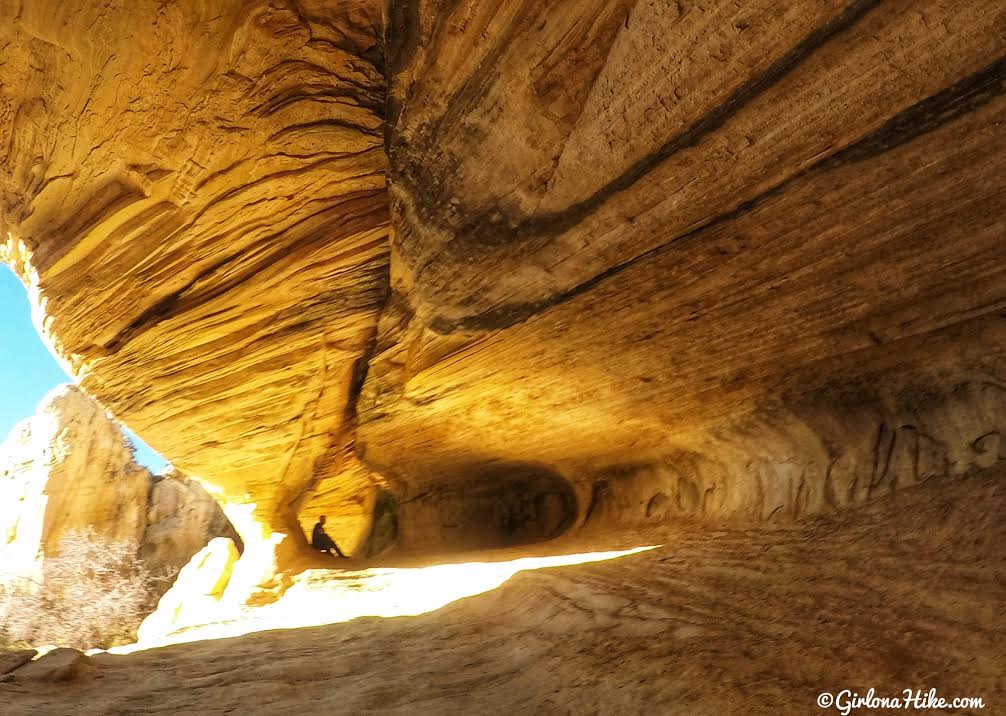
[[648, 260], [66, 469], [181, 518], [195, 192], [904, 592], [713, 259], [70, 468]]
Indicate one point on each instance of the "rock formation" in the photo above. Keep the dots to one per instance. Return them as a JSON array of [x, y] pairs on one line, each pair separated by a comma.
[[709, 259], [181, 519], [66, 469], [717, 259], [197, 591], [57, 666], [70, 468], [212, 177], [744, 619]]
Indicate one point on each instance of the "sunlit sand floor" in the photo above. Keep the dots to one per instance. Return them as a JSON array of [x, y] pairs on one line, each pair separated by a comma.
[[329, 596], [906, 593]]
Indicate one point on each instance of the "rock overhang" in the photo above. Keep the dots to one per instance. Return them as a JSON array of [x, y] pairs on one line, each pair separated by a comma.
[[690, 262]]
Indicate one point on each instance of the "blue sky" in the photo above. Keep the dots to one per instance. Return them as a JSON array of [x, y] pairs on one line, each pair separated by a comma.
[[27, 369]]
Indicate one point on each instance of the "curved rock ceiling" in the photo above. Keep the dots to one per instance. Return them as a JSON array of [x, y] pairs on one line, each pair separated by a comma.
[[199, 190], [695, 258]]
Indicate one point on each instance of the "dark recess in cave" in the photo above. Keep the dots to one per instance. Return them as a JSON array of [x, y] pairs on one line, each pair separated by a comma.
[[489, 506]]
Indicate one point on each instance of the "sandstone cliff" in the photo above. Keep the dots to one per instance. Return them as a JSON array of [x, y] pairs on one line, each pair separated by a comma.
[[65, 469], [734, 261], [70, 468], [181, 518]]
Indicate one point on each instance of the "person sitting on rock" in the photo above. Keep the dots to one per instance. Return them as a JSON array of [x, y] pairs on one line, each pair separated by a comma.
[[321, 541]]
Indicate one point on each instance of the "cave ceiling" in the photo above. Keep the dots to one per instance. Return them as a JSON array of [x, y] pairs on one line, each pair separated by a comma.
[[696, 258]]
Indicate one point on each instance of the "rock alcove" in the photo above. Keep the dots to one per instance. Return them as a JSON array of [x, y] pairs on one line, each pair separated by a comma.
[[701, 260]]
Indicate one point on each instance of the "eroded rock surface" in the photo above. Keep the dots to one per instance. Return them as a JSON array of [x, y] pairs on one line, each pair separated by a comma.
[[67, 469], [15, 660], [693, 259], [196, 194], [57, 666], [905, 592], [181, 518], [70, 468], [716, 259]]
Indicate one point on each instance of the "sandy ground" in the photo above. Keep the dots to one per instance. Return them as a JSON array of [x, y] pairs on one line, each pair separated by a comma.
[[907, 593]]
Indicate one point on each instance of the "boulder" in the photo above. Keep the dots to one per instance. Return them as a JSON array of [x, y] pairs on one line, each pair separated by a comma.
[[182, 517], [58, 665], [196, 593], [15, 660]]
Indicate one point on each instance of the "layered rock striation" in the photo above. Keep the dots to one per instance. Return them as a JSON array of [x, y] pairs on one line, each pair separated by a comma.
[[196, 193], [697, 258], [648, 260]]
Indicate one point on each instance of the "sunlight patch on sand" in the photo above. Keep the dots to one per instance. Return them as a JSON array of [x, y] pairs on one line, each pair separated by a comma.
[[324, 596]]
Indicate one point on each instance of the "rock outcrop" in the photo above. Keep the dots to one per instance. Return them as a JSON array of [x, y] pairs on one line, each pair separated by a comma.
[[181, 517], [195, 596], [57, 666], [212, 177], [71, 468], [708, 259], [699, 259], [66, 469], [15, 660]]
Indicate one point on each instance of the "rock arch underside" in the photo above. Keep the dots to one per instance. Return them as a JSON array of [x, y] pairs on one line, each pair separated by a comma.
[[474, 273]]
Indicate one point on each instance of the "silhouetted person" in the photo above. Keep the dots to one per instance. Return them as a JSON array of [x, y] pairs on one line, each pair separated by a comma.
[[320, 539]]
